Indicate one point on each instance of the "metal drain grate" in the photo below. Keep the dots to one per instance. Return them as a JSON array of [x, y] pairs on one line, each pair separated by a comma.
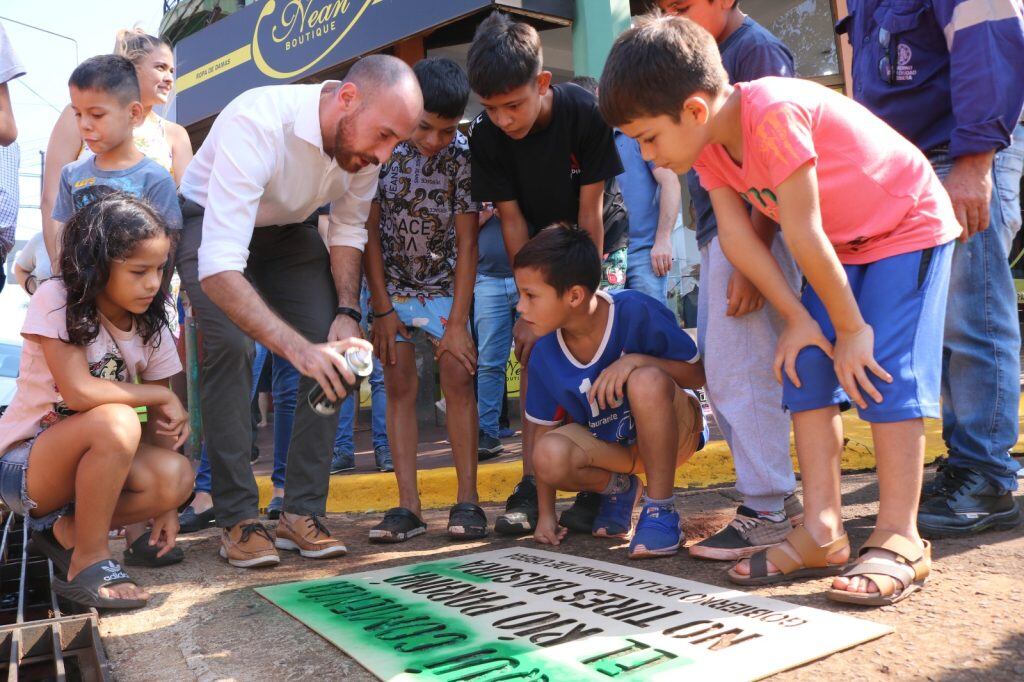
[[42, 638]]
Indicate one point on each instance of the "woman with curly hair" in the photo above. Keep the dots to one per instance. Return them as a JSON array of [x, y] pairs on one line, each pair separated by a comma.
[[97, 347]]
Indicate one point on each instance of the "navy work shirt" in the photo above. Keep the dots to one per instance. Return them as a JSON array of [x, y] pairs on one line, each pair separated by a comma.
[[941, 72]]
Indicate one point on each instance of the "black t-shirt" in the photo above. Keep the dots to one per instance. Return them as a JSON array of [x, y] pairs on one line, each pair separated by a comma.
[[543, 172]]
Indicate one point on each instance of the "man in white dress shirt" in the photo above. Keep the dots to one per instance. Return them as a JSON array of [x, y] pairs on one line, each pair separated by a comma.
[[253, 269]]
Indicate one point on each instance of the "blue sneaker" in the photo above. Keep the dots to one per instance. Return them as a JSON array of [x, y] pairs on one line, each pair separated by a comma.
[[657, 533], [615, 515]]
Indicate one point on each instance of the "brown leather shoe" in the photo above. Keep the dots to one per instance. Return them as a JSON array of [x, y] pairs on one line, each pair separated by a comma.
[[308, 536], [248, 544]]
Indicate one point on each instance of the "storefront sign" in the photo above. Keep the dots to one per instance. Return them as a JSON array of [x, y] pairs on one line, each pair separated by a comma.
[[282, 41], [528, 614]]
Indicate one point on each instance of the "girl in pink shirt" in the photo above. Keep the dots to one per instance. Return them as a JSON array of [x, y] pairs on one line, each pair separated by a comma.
[[97, 347]]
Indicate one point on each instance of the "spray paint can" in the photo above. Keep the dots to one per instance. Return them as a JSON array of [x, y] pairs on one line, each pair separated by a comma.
[[360, 363]]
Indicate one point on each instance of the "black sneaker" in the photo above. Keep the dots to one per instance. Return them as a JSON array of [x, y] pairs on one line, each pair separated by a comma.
[[579, 518], [962, 502], [488, 447], [939, 482], [382, 457], [520, 515], [342, 461]]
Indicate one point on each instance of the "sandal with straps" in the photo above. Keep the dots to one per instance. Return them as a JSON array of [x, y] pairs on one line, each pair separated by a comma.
[[813, 561], [895, 582]]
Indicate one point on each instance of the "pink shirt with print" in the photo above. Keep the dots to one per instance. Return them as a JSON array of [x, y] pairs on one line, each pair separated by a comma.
[[879, 196], [114, 354]]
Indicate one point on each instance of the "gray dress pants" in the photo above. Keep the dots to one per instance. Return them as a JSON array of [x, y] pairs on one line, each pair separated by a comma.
[[290, 267]]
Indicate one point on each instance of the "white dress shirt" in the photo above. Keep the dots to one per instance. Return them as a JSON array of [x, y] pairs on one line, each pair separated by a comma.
[[263, 164]]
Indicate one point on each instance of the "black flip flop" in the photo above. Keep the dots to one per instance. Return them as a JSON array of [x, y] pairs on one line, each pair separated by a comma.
[[48, 545], [399, 524], [467, 521], [141, 553], [85, 588]]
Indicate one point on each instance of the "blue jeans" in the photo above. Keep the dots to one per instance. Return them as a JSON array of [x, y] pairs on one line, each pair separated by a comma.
[[494, 302], [640, 276], [284, 388], [378, 407], [981, 353]]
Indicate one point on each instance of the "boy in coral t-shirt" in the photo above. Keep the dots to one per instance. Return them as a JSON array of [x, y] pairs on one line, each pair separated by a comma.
[[871, 228]]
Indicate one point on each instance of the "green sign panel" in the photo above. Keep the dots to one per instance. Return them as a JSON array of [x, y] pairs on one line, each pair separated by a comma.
[[526, 614]]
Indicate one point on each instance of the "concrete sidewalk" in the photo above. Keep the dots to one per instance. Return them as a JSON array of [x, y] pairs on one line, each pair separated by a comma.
[[207, 623], [365, 490]]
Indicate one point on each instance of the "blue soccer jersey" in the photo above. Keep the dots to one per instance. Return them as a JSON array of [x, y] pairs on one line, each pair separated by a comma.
[[558, 385]]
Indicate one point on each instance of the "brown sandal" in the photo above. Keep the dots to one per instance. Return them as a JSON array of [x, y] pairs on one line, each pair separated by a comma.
[[895, 582], [813, 562]]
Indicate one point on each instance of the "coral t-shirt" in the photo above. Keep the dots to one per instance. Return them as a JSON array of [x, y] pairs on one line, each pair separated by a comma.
[[879, 196], [114, 354]]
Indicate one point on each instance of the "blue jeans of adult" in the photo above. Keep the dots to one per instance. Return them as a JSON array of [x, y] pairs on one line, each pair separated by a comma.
[[981, 353], [284, 389], [494, 302], [641, 277], [343, 442]]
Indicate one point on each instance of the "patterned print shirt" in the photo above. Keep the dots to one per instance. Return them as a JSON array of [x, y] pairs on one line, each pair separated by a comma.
[[419, 199]]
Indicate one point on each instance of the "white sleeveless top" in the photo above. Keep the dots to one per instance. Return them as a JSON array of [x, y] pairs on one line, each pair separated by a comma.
[[150, 139]]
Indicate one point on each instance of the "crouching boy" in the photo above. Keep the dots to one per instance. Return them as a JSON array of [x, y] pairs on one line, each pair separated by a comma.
[[604, 371]]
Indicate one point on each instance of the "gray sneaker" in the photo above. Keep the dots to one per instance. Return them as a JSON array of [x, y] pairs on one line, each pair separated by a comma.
[[382, 455], [342, 461], [746, 534], [794, 510]]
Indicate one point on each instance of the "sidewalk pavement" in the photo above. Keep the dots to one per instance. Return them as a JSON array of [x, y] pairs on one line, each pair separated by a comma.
[[365, 490], [207, 623]]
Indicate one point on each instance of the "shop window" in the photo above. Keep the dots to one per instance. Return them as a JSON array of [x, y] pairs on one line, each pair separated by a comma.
[[806, 27]]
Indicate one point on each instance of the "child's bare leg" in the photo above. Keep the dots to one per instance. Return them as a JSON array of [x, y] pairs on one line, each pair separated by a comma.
[[563, 465], [819, 448], [400, 384], [158, 481], [167, 468], [899, 455], [651, 392], [463, 424], [87, 457]]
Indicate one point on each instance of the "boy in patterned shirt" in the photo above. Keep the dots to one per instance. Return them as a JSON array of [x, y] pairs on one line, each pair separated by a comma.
[[420, 263]]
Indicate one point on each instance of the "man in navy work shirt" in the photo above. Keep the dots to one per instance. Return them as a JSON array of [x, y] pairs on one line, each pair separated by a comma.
[[949, 75]]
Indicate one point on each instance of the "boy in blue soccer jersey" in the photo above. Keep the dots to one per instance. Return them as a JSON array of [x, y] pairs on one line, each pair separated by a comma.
[[603, 370]]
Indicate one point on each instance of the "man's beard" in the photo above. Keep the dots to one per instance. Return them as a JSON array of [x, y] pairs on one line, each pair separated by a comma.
[[345, 154]]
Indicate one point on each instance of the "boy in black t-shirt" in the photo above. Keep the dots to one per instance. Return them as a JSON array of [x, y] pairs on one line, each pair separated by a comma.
[[541, 154]]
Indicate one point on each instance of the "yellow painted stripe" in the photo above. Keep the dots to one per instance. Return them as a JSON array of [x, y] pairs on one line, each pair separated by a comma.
[[214, 68], [710, 466]]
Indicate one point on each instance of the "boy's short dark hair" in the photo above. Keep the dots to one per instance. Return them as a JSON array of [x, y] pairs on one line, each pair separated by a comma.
[[565, 255], [588, 83], [505, 55], [655, 66], [444, 86], [109, 73]]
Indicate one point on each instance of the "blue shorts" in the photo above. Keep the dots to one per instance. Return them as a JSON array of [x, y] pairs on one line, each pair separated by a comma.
[[428, 314], [903, 298], [14, 490]]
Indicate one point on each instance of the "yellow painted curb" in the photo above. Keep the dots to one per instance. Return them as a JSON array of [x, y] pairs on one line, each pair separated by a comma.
[[710, 466]]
